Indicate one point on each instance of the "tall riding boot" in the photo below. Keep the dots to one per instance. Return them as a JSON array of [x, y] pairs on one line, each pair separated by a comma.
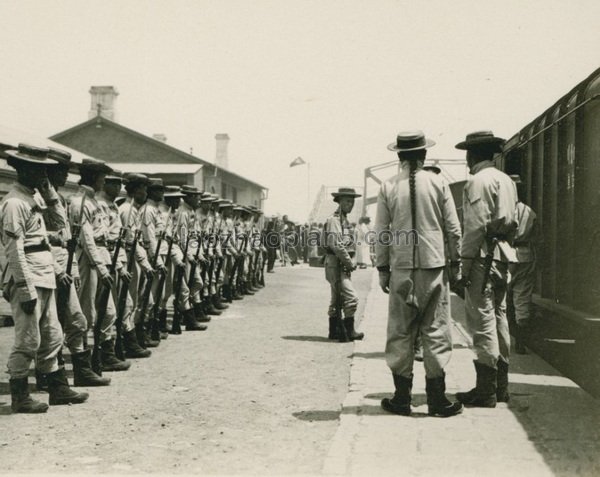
[[190, 322], [484, 392], [132, 347], [60, 392], [82, 371], [21, 401], [333, 331], [400, 403], [502, 394], [437, 403], [110, 362], [218, 303], [350, 331], [209, 308], [41, 381], [161, 316], [201, 316]]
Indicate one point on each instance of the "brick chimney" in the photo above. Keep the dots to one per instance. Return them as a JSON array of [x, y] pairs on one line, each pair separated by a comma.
[[222, 142], [160, 137], [103, 102]]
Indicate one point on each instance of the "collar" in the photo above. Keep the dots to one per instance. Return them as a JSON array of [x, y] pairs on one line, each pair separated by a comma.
[[89, 193], [152, 202], [481, 166], [24, 189]]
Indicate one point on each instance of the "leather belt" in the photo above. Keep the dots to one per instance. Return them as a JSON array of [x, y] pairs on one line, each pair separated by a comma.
[[40, 247], [100, 242]]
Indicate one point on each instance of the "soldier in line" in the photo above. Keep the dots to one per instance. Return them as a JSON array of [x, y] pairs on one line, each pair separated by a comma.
[[339, 264], [229, 240], [73, 322], [522, 272], [211, 251], [29, 281], [93, 257], [106, 200], [489, 204], [415, 215], [221, 248]]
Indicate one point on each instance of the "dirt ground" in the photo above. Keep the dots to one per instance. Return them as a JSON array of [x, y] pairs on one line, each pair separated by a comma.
[[258, 393]]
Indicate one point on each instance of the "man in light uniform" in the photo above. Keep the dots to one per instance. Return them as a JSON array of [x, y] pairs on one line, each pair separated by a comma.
[[339, 264], [489, 204], [30, 280], [228, 239], [207, 219], [73, 321], [415, 217], [93, 257], [522, 272]]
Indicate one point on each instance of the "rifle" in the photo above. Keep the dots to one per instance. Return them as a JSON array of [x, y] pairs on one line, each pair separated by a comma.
[[147, 291], [162, 325], [101, 306], [176, 326], [488, 261]]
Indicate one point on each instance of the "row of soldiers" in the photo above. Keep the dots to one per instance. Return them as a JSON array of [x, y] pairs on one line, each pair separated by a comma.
[[100, 263]]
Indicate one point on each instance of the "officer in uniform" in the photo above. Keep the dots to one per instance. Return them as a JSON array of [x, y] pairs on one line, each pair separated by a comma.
[[73, 321], [339, 264], [30, 280], [93, 257], [522, 272], [415, 216], [489, 204]]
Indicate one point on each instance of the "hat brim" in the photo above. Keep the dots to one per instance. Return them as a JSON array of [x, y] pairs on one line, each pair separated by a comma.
[[191, 193], [173, 195], [394, 146], [495, 143], [42, 161], [95, 168], [337, 195]]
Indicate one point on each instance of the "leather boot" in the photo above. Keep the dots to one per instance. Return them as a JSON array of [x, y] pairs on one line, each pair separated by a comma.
[[60, 392], [162, 322], [333, 331], [209, 308], [189, 320], [227, 295], [150, 343], [201, 316], [82, 371], [437, 403], [140, 335], [21, 401], [237, 293], [132, 348], [484, 392], [502, 394], [41, 381], [218, 303], [110, 362], [246, 290], [400, 403], [350, 331]]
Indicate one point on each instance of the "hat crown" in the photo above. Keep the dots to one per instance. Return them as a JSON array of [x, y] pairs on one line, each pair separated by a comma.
[[155, 182], [59, 155], [33, 151], [480, 135], [134, 177], [482, 140], [188, 189], [410, 141]]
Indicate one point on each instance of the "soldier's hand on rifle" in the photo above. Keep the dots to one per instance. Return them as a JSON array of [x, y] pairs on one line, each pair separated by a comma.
[[384, 281], [180, 265], [125, 275], [160, 268], [77, 282], [29, 306], [150, 273], [64, 280], [107, 280]]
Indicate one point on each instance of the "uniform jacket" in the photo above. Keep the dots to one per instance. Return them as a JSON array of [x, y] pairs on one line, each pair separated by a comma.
[[436, 219], [338, 240], [130, 214], [114, 225], [152, 226], [489, 205]]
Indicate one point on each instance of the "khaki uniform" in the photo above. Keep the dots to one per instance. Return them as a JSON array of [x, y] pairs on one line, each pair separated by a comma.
[[190, 221], [74, 322], [93, 259], [338, 241], [152, 227], [522, 272], [418, 299], [228, 238], [29, 275], [489, 204]]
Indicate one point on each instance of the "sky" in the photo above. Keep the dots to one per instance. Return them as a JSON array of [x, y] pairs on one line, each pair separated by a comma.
[[330, 81]]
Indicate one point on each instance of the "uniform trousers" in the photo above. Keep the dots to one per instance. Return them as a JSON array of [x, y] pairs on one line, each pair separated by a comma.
[[89, 291], [486, 313], [418, 306], [343, 283], [74, 323], [520, 289], [37, 336]]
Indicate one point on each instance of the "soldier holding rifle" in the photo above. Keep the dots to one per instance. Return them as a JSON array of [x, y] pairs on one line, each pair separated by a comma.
[[339, 266], [489, 204], [63, 244], [29, 281], [211, 252], [228, 241], [221, 249]]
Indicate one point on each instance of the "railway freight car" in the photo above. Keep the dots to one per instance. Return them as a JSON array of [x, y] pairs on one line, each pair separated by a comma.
[[558, 157]]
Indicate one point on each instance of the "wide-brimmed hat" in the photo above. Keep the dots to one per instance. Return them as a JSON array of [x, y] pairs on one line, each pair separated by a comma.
[[410, 141], [60, 156], [207, 197], [114, 176], [345, 192], [135, 178], [156, 183], [481, 140], [238, 208], [31, 155], [173, 191], [190, 190], [94, 165], [224, 204]]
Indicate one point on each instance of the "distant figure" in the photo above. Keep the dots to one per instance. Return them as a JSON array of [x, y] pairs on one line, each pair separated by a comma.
[[522, 272], [363, 252]]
